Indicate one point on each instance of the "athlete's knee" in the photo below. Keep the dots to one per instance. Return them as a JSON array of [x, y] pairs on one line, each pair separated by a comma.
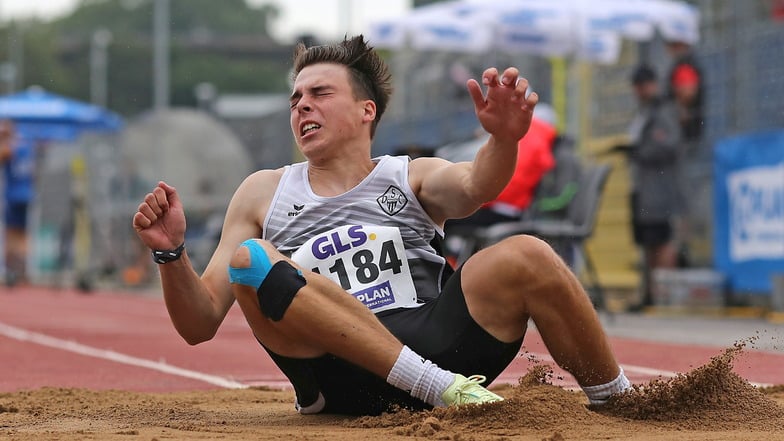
[[250, 264], [275, 284], [529, 261], [526, 251]]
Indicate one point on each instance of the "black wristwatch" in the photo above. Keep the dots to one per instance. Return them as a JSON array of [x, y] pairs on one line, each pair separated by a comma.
[[166, 256]]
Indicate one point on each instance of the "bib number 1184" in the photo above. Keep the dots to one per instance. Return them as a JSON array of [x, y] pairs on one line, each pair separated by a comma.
[[364, 267]]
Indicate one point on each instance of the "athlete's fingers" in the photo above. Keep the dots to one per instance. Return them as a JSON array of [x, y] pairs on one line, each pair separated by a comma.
[[172, 197], [148, 213], [475, 90], [141, 221], [152, 204], [490, 77], [160, 198], [531, 101], [510, 77], [521, 87]]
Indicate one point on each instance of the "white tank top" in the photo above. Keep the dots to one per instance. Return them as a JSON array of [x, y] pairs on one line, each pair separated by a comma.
[[374, 240]]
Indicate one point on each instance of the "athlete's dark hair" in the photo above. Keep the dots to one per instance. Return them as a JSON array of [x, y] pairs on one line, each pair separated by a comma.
[[369, 74]]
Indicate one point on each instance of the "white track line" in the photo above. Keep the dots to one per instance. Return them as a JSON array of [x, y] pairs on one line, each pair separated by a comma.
[[78, 348], [628, 368]]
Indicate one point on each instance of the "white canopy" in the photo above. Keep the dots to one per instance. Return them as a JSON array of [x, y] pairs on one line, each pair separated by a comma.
[[587, 29]]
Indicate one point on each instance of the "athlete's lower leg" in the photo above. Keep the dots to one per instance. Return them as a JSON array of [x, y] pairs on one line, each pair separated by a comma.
[[522, 278]]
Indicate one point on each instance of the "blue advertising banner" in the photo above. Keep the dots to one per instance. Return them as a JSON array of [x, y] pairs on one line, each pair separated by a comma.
[[749, 210]]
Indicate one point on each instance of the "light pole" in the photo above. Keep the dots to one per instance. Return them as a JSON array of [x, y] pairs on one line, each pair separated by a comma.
[[12, 70], [161, 54], [99, 66]]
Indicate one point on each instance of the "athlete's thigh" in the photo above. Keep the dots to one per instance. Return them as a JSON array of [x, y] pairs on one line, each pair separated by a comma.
[[502, 282], [444, 332]]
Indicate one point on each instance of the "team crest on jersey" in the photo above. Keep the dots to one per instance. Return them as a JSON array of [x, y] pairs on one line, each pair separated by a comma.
[[392, 201]]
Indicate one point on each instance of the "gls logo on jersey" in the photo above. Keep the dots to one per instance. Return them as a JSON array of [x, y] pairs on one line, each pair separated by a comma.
[[368, 261], [392, 201], [332, 244]]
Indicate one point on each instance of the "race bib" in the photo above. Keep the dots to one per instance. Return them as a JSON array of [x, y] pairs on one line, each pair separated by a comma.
[[367, 261]]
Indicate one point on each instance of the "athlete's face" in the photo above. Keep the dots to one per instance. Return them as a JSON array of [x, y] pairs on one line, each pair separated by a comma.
[[325, 114]]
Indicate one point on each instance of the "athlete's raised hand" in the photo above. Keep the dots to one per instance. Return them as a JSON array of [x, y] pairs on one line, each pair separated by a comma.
[[504, 111], [160, 219]]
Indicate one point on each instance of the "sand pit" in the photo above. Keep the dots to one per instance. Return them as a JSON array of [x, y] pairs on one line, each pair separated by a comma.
[[709, 402]]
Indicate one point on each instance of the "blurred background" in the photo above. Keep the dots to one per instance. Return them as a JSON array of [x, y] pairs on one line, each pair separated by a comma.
[[195, 93]]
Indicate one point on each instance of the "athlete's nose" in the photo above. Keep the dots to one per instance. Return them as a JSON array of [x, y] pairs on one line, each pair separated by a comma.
[[303, 105]]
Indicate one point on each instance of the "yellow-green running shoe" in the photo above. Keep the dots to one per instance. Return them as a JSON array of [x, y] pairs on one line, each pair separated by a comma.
[[468, 391]]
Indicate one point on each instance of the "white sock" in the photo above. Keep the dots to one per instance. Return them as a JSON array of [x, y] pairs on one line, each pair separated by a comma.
[[421, 378], [600, 393]]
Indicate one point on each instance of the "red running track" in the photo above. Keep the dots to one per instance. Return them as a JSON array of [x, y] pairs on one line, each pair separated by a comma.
[[125, 341]]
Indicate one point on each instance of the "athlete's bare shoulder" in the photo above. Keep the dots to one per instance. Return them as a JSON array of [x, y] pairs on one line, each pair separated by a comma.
[[421, 167], [257, 189], [266, 178], [261, 182]]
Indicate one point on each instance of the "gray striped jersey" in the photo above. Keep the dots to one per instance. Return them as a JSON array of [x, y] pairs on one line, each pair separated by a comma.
[[383, 198]]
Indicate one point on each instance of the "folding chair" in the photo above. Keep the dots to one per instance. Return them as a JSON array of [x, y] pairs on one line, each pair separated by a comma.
[[563, 234]]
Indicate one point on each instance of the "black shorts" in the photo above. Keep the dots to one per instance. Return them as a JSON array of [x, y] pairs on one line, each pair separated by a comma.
[[653, 234], [16, 215], [648, 234], [441, 330]]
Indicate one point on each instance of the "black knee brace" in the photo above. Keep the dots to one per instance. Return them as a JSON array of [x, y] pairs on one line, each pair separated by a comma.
[[278, 289]]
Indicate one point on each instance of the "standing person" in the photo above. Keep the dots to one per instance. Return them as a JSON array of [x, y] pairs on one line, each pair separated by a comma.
[[656, 197], [18, 154], [685, 88], [297, 239]]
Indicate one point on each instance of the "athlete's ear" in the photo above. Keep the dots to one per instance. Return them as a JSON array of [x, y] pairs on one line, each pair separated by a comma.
[[369, 111]]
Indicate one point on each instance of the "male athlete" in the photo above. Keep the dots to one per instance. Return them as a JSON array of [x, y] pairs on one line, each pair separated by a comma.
[[334, 264]]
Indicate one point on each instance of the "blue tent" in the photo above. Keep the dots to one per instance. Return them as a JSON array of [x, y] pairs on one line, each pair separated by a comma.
[[43, 115]]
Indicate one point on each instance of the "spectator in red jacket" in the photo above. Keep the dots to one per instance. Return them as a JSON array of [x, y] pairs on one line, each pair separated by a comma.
[[534, 159]]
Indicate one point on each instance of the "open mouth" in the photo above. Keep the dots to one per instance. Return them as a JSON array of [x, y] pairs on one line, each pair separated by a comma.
[[307, 128]]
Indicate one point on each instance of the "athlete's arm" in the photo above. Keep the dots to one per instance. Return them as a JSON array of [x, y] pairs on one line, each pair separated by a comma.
[[452, 190], [197, 305]]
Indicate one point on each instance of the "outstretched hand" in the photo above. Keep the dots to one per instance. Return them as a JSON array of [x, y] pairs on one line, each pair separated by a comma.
[[160, 219], [504, 112]]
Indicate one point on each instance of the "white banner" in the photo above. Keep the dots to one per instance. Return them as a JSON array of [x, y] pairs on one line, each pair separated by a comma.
[[756, 204]]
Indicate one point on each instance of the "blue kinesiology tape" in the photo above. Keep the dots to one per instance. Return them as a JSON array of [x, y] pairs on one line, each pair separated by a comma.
[[259, 267]]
